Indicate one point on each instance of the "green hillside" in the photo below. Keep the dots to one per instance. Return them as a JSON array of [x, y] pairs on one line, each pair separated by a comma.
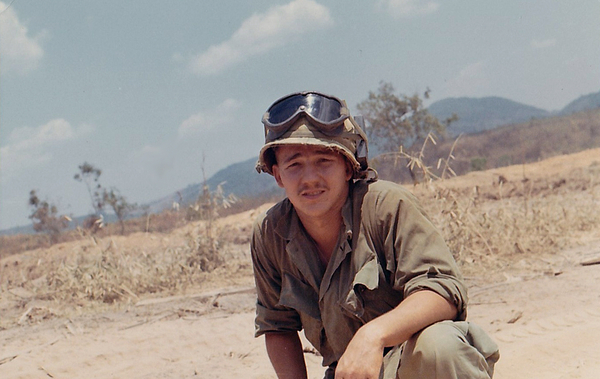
[[585, 102], [240, 179], [528, 141], [507, 145], [479, 114]]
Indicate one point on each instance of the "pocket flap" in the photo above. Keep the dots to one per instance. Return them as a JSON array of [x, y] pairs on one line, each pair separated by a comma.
[[299, 296]]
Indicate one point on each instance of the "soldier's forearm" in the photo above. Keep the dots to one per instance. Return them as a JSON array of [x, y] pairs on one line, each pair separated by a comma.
[[286, 355], [416, 312]]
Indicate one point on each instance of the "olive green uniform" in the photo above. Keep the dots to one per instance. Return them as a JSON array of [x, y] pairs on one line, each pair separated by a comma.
[[387, 249]]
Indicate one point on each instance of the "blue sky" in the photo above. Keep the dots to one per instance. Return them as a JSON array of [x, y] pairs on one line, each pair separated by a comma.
[[154, 92]]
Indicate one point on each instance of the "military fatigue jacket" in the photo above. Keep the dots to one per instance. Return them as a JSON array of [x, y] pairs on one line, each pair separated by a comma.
[[388, 249]]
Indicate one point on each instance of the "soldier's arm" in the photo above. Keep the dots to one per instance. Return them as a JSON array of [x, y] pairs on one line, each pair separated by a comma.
[[286, 355], [364, 355]]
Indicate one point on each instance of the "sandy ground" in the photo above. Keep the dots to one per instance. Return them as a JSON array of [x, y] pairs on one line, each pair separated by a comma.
[[547, 326]]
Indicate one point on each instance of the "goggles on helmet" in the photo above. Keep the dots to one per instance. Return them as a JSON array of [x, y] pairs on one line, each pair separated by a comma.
[[325, 112]]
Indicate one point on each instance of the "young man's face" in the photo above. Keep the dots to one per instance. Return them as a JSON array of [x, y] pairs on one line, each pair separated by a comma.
[[315, 179]]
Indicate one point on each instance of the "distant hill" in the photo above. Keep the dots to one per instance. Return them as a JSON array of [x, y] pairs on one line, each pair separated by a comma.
[[479, 114], [506, 145], [75, 222], [508, 142], [240, 179], [586, 102], [476, 116], [25, 229], [243, 180]]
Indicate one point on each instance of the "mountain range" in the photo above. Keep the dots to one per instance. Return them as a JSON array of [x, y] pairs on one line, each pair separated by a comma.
[[475, 115], [240, 179], [480, 114]]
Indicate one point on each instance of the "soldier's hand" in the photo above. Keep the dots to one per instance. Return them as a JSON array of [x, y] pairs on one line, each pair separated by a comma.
[[363, 357]]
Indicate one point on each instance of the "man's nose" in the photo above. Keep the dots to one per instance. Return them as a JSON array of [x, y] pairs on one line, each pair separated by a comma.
[[311, 174]]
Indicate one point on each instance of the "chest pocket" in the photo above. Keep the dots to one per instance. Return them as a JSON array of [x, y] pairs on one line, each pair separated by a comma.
[[370, 294], [299, 296]]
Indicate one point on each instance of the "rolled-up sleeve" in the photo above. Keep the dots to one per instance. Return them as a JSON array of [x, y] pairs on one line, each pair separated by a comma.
[[271, 316], [416, 253]]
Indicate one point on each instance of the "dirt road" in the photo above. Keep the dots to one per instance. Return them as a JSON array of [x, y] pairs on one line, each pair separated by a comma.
[[548, 326]]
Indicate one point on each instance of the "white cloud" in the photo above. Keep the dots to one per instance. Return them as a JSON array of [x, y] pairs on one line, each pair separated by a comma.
[[262, 32], [203, 121], [543, 44], [409, 8], [30, 147], [20, 52], [472, 80]]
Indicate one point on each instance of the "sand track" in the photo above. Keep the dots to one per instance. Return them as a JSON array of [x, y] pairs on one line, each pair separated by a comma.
[[547, 326]]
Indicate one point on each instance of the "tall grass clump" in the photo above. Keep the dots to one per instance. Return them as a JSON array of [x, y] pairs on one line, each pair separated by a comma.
[[101, 270], [108, 274], [496, 234], [496, 226]]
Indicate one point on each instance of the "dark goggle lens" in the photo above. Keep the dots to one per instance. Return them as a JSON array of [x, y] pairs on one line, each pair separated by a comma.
[[319, 107]]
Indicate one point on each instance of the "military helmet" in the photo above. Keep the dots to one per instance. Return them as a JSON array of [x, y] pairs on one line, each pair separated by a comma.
[[313, 118]]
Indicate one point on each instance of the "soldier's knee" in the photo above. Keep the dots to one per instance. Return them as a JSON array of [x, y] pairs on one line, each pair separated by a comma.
[[439, 341], [445, 349]]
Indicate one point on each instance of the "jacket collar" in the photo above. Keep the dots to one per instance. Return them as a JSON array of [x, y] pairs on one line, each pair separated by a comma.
[[302, 250]]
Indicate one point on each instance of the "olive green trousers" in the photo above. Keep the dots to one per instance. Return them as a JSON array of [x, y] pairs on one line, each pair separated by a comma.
[[445, 350]]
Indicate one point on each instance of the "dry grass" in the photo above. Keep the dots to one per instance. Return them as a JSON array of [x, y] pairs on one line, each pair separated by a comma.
[[118, 269], [12, 244], [515, 225], [488, 227], [110, 274], [507, 145], [164, 222], [522, 223], [494, 227]]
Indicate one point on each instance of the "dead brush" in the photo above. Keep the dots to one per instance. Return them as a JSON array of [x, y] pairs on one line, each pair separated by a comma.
[[100, 271], [494, 232], [113, 274], [415, 162]]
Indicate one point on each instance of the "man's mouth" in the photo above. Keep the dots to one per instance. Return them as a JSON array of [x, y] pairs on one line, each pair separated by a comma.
[[312, 193]]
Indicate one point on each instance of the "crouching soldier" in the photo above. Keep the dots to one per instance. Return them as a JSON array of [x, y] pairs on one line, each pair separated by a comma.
[[353, 261]]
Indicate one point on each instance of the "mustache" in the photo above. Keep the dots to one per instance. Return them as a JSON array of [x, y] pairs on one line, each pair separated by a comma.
[[310, 188]]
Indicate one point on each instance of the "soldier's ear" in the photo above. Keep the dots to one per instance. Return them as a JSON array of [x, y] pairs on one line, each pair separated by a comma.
[[349, 170], [277, 175]]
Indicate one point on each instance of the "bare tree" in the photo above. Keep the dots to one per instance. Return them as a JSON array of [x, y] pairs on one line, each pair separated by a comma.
[[119, 205], [395, 121], [89, 175], [45, 217]]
